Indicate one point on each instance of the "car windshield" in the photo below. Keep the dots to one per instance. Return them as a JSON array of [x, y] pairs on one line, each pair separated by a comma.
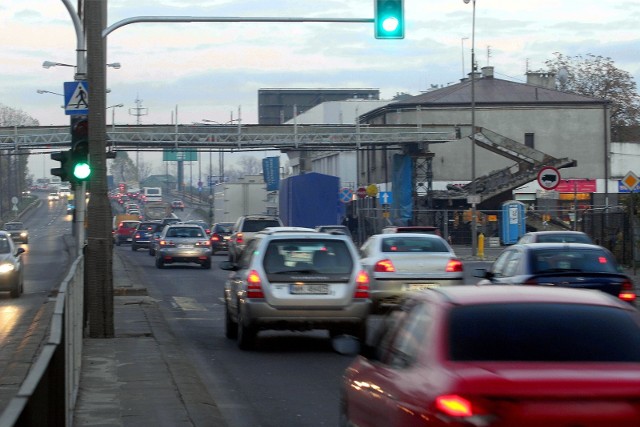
[[308, 256], [413, 244], [13, 226], [5, 247], [590, 260], [544, 332], [254, 225]]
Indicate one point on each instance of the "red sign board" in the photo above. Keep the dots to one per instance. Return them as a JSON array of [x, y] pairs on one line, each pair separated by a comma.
[[361, 192], [576, 186]]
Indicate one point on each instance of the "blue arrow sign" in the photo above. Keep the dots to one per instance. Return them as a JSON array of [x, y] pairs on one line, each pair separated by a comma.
[[76, 98], [385, 197]]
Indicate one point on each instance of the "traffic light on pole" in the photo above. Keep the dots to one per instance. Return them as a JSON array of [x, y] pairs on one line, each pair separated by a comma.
[[64, 170], [389, 19], [80, 167]]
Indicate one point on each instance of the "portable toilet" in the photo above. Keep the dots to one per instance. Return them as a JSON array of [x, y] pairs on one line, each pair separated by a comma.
[[513, 221]]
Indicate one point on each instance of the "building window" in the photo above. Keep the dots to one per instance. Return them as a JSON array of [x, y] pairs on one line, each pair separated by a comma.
[[529, 139]]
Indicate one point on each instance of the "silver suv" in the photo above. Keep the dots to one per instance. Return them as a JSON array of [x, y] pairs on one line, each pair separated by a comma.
[[292, 278], [183, 243], [245, 228]]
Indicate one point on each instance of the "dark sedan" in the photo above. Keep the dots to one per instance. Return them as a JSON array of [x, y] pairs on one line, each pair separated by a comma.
[[572, 265], [220, 235], [18, 231], [143, 235]]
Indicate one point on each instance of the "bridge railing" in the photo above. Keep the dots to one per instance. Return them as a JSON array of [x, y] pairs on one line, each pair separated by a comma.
[[48, 394]]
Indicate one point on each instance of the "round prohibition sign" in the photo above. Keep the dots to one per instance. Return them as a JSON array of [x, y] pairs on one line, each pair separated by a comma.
[[548, 177]]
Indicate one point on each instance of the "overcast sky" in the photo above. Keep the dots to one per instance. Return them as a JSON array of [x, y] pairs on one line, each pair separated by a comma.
[[210, 69]]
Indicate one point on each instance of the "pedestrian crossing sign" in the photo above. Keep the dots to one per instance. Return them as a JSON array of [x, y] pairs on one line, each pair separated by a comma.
[[76, 98]]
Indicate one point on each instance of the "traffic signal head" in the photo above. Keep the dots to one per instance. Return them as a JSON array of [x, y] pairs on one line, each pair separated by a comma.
[[80, 169], [389, 19], [63, 171]]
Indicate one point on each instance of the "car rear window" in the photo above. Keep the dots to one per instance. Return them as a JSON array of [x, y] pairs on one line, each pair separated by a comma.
[[255, 225], [545, 332], [315, 256], [223, 228], [128, 224], [185, 232], [592, 260], [563, 238], [413, 244]]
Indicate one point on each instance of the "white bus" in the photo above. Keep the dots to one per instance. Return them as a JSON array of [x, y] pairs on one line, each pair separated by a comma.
[[152, 194]]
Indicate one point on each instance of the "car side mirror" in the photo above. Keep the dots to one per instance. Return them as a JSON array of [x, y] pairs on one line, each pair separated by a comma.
[[20, 251], [483, 273]]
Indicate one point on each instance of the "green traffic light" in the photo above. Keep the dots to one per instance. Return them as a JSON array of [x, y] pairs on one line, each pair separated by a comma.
[[81, 171], [389, 19]]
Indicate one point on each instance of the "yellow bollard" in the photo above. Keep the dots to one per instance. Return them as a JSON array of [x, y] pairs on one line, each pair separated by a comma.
[[481, 246]]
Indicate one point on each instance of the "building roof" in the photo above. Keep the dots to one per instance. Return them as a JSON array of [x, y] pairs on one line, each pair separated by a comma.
[[488, 91]]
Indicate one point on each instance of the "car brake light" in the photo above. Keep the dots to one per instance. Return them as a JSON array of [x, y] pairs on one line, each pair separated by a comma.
[[362, 285], [626, 292], [458, 408], [239, 238], [254, 285], [203, 243], [215, 238], [384, 266], [454, 265]]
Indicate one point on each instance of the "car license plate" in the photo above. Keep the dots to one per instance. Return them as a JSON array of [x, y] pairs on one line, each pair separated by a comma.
[[226, 237], [309, 289], [420, 286], [185, 246]]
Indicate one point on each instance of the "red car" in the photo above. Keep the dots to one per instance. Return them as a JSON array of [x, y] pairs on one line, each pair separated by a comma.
[[499, 356]]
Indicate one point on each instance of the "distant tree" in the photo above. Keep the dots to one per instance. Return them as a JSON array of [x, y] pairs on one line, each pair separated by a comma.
[[123, 169], [249, 165], [598, 77], [13, 164], [145, 170]]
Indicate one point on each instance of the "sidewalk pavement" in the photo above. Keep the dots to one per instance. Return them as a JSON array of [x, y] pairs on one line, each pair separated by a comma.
[[141, 376]]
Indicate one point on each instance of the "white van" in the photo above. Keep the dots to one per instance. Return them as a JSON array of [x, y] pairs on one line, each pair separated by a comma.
[[152, 194]]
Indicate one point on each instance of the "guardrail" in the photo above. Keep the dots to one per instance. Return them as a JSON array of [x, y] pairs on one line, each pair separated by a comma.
[[48, 394]]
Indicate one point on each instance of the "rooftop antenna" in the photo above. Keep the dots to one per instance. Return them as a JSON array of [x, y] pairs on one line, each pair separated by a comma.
[[488, 54]]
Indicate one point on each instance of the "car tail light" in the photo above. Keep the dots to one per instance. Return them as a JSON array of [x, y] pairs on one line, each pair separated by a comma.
[[254, 285], [166, 243], [384, 266], [208, 231], [362, 285], [239, 238], [453, 266], [458, 408], [215, 238], [627, 293], [137, 235], [203, 243]]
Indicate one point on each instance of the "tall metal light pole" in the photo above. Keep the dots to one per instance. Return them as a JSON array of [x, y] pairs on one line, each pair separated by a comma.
[[113, 115], [473, 196], [462, 39]]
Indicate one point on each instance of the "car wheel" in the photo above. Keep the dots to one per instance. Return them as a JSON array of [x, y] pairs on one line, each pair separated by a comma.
[[246, 335], [207, 264], [360, 332], [230, 327], [231, 257], [152, 251], [159, 262], [117, 242], [134, 248], [15, 290]]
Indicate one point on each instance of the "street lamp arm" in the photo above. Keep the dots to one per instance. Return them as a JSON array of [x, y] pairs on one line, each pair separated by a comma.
[[81, 48]]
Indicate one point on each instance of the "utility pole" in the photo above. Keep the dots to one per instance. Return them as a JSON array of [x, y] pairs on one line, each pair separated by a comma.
[[98, 255]]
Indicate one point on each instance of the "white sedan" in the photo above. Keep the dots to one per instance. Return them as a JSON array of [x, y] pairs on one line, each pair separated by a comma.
[[406, 262]]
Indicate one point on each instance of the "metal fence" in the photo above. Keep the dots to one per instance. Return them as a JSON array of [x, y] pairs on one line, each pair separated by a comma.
[[48, 394], [610, 227]]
